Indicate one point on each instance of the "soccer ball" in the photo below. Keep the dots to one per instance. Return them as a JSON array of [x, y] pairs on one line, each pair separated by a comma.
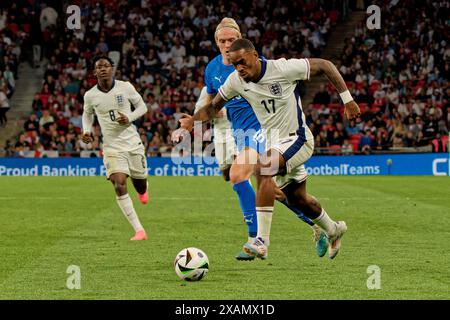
[[191, 264]]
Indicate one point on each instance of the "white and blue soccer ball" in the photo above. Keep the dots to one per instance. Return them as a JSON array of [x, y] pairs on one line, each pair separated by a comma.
[[191, 264]]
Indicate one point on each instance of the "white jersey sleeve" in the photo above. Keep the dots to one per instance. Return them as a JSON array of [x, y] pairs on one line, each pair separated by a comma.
[[219, 123], [136, 100], [88, 115], [229, 89], [294, 69], [202, 99]]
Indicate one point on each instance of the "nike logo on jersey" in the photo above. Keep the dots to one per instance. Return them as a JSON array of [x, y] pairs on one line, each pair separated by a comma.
[[246, 90], [218, 79]]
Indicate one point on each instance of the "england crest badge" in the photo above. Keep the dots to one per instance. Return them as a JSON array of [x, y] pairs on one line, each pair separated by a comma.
[[275, 89]]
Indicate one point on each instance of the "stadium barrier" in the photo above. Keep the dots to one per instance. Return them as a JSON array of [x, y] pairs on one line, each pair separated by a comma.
[[435, 164]]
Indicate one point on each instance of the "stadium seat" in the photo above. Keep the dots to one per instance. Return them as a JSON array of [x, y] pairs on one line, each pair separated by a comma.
[[445, 140], [363, 107], [334, 16], [355, 137], [360, 86]]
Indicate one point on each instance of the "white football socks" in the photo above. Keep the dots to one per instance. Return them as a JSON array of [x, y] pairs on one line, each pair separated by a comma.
[[264, 223], [126, 205], [325, 223]]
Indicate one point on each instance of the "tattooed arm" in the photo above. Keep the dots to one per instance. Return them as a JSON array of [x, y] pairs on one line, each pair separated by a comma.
[[205, 113], [321, 66]]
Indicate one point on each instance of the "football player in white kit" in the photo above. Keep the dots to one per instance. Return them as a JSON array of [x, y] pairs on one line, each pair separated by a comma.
[[271, 88], [123, 150], [224, 143], [237, 141]]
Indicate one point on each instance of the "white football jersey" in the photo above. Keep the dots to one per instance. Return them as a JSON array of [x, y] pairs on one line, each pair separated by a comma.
[[275, 97], [106, 105], [222, 127]]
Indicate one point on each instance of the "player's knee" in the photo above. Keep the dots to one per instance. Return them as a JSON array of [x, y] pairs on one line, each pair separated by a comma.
[[120, 187], [239, 174], [279, 195]]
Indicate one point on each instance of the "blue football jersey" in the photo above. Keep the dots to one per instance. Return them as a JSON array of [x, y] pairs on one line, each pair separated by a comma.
[[239, 112]]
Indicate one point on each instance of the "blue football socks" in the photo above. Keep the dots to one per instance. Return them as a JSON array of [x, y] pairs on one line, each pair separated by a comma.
[[247, 201], [299, 214]]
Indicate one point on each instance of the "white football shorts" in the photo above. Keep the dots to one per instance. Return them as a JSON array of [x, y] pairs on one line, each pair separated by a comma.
[[296, 153], [132, 163]]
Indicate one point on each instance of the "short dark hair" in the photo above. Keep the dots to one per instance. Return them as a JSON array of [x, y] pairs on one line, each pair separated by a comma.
[[100, 58], [239, 44]]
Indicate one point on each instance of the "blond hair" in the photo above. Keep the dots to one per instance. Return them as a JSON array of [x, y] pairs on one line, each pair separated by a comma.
[[227, 23]]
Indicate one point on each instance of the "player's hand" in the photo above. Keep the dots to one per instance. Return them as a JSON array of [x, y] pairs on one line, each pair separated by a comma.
[[86, 138], [221, 114], [178, 135], [122, 119], [186, 122], [352, 110]]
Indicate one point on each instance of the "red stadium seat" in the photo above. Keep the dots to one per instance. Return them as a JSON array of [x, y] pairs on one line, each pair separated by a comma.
[[355, 138], [354, 141], [445, 140], [360, 85], [334, 16], [374, 87], [375, 109]]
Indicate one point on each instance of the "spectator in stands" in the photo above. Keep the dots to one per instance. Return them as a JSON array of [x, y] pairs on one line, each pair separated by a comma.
[[76, 120], [438, 144], [32, 124], [48, 16], [46, 118], [322, 96], [21, 146], [347, 148], [4, 107], [410, 140], [352, 128], [366, 142]]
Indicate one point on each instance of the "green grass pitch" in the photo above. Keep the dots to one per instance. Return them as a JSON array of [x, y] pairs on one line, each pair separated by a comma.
[[400, 224]]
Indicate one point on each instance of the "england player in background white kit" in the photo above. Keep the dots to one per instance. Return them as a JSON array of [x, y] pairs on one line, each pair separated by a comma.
[[271, 88], [123, 150]]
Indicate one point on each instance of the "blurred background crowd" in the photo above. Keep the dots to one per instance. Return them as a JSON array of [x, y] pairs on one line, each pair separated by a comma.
[[398, 74]]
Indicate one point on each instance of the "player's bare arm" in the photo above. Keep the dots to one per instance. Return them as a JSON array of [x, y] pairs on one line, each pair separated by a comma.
[[209, 111], [88, 120], [321, 66], [206, 113]]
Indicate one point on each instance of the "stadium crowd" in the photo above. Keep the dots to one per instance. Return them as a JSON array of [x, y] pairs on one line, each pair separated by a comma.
[[14, 33], [398, 75], [163, 50]]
